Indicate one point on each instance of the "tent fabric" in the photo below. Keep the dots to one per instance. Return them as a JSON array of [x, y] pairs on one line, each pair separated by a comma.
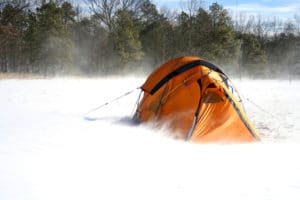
[[197, 101]]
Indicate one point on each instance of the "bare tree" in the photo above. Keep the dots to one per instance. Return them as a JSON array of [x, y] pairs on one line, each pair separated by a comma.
[[297, 19], [169, 14], [191, 6], [274, 26], [240, 22], [19, 6], [131, 4], [41, 2], [106, 10]]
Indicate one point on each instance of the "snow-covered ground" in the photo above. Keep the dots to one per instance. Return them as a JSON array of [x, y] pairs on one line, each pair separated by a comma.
[[48, 150]]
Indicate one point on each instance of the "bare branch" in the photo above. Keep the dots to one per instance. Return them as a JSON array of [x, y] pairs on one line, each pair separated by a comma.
[[106, 10], [191, 6]]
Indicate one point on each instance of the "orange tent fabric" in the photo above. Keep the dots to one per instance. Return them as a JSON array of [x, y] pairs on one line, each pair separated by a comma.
[[196, 100]]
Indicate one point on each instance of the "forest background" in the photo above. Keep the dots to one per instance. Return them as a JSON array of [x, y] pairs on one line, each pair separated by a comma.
[[100, 37]]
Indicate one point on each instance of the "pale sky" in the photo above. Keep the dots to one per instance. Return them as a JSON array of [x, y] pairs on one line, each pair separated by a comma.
[[268, 9], [285, 9]]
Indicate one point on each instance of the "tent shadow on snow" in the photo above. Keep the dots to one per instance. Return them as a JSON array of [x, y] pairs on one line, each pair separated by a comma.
[[128, 121], [197, 100]]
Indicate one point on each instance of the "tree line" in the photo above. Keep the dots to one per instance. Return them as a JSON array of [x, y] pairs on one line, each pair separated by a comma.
[[50, 37]]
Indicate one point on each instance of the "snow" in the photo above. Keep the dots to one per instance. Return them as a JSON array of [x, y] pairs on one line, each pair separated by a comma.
[[48, 150]]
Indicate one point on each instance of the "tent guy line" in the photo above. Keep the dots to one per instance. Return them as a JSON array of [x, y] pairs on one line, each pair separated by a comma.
[[107, 103]]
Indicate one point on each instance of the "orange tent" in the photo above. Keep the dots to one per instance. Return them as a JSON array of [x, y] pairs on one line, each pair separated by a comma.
[[197, 101]]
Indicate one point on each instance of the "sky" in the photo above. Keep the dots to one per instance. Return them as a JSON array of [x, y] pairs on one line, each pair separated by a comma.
[[284, 9]]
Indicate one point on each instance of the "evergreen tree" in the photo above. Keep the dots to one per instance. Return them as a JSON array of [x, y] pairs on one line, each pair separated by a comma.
[[53, 40], [94, 50], [283, 51], [223, 45], [253, 58], [155, 34], [12, 26], [125, 37], [50, 36]]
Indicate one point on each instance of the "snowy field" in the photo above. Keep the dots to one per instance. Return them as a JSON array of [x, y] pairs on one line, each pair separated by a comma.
[[49, 151]]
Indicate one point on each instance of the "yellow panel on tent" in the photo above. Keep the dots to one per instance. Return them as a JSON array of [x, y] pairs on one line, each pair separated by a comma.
[[195, 99]]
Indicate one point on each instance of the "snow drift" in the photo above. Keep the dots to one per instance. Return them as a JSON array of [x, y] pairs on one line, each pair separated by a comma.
[[49, 151]]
